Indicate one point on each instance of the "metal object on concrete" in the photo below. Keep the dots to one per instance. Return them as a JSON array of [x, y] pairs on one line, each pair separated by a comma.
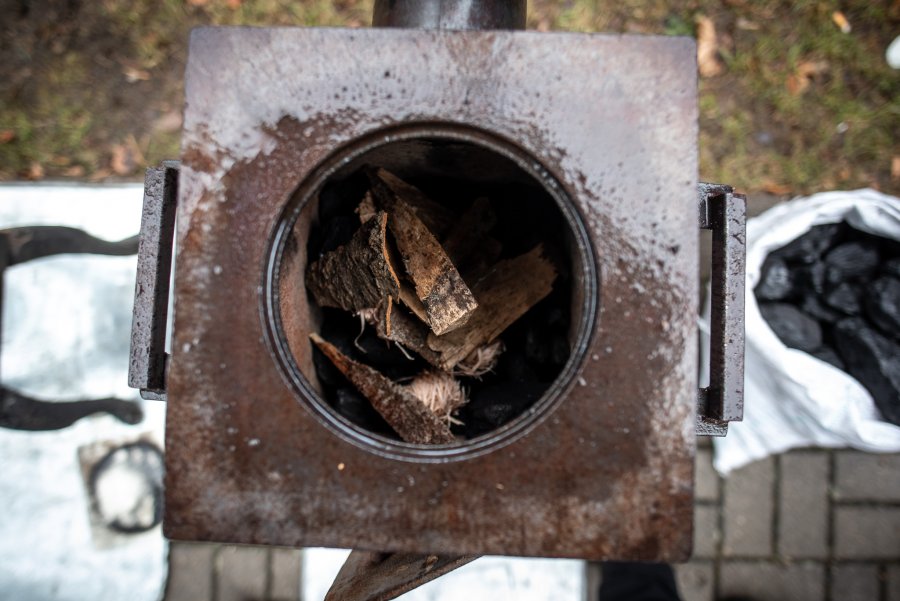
[[450, 14], [147, 361], [602, 466], [22, 244], [724, 212]]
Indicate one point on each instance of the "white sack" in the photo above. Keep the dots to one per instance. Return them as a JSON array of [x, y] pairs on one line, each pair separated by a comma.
[[793, 399]]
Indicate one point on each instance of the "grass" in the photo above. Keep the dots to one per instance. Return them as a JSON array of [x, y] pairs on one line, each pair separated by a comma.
[[800, 105]]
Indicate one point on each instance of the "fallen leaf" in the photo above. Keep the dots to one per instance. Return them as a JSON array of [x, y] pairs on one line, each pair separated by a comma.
[[799, 80], [133, 74], [234, 4], [168, 122], [707, 47], [841, 21], [747, 25], [35, 171], [126, 157], [100, 174], [7, 136], [74, 171], [895, 168]]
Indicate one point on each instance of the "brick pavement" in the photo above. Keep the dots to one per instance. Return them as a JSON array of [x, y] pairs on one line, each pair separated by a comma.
[[807, 525]]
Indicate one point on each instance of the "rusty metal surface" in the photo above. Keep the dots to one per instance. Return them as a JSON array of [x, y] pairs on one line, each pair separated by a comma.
[[147, 356], [722, 401], [607, 472], [450, 14]]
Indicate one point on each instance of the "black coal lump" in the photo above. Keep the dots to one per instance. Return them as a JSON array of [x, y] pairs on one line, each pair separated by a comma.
[[776, 281], [851, 261], [493, 406], [874, 360], [883, 305], [891, 267], [829, 355], [793, 327], [358, 410], [813, 306], [809, 247], [810, 279], [844, 298]]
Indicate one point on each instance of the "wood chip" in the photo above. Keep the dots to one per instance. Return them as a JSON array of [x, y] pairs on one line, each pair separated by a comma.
[[406, 414], [447, 299], [374, 576], [506, 293], [358, 275]]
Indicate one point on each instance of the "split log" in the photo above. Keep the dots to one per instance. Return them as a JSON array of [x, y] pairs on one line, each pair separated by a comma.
[[447, 300], [436, 217], [359, 274], [406, 414], [506, 293], [409, 333]]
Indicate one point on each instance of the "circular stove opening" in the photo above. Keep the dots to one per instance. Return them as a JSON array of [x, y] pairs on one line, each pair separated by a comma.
[[536, 356]]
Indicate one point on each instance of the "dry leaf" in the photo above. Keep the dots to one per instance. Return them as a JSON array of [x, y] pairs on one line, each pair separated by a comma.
[[133, 74], [895, 168], [707, 48], [234, 4], [7, 136], [841, 21], [100, 174], [126, 157], [799, 81], [74, 171], [168, 122], [35, 171]]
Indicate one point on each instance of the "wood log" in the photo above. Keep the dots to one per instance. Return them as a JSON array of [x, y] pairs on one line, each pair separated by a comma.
[[409, 333], [447, 299], [436, 217], [359, 274], [505, 293], [406, 414]]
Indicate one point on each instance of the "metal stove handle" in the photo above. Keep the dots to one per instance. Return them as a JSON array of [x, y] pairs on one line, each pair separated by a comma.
[[147, 359], [724, 212]]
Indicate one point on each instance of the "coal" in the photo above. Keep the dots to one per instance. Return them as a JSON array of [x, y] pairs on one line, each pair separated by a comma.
[[810, 279], [845, 298], [851, 261], [883, 305], [793, 327], [493, 406], [809, 247], [776, 280], [829, 355], [813, 306], [358, 410], [891, 267], [874, 360]]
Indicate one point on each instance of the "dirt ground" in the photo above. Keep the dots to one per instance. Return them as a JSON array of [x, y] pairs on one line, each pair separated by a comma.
[[796, 97]]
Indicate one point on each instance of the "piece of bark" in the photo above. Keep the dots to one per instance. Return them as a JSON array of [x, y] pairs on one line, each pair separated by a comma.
[[357, 275], [505, 293], [465, 236], [406, 414], [447, 299], [436, 217], [373, 576], [366, 209], [407, 332]]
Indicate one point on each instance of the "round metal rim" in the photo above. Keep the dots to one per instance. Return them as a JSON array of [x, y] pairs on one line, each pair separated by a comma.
[[310, 398]]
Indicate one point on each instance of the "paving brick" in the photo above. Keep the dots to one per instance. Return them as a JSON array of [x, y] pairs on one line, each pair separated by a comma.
[[855, 582], [695, 581], [190, 572], [764, 580], [706, 531], [748, 511], [893, 583], [285, 573], [241, 573], [803, 505], [706, 479], [867, 477], [867, 532]]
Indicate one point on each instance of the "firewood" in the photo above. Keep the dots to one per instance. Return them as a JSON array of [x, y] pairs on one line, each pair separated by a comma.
[[357, 275], [408, 297], [470, 229], [374, 576], [436, 217], [409, 333], [406, 414], [505, 293], [448, 301]]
